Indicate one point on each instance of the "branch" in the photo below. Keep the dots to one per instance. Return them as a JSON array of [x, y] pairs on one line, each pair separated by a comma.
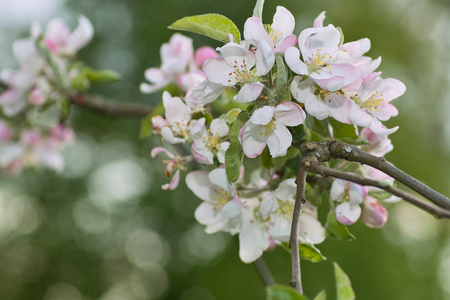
[[296, 281], [353, 153], [264, 271], [110, 108], [317, 168]]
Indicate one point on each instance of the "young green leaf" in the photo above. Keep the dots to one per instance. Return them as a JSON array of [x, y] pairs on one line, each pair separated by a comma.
[[322, 295], [215, 26], [344, 289], [345, 132], [257, 11], [337, 230], [282, 77], [234, 154], [311, 253], [283, 292], [100, 75]]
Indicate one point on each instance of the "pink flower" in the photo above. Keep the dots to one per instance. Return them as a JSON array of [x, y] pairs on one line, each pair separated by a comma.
[[59, 40], [373, 214], [371, 104], [267, 126], [350, 196]]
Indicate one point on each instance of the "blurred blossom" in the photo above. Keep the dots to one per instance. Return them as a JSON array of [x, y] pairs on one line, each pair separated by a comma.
[[64, 291], [90, 218], [19, 215]]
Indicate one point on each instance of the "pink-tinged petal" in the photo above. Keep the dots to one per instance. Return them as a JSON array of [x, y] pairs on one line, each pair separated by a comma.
[[219, 126], [374, 215], [253, 139], [176, 110], [279, 141], [292, 57], [356, 193], [385, 112], [253, 239], [318, 22], [12, 102], [347, 72], [357, 48], [26, 53], [337, 191], [151, 88], [347, 214], [339, 106], [202, 155], [289, 41], [198, 182], [311, 231], [316, 107], [203, 93], [380, 129], [155, 151], [159, 122], [233, 208], [56, 35], [283, 23], [36, 97], [290, 114], [369, 66], [249, 92], [268, 205], [359, 117], [173, 183], [198, 130], [254, 32], [265, 58], [80, 36], [389, 88], [186, 80], [303, 89], [326, 39], [154, 75], [5, 132], [331, 84], [236, 54], [217, 71], [263, 115], [204, 53]]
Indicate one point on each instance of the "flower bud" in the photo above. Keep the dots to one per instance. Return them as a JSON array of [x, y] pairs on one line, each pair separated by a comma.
[[204, 53], [374, 214]]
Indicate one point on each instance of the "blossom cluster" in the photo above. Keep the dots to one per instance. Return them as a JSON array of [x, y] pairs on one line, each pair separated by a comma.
[[277, 82], [32, 126]]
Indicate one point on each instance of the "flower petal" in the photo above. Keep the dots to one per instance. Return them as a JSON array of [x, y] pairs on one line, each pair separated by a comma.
[[292, 57], [279, 141], [265, 58], [249, 92], [290, 114], [198, 182]]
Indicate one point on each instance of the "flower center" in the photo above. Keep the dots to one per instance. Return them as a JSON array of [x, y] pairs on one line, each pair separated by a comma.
[[317, 62], [274, 34], [213, 141], [373, 103], [268, 128], [241, 73], [285, 208], [220, 196]]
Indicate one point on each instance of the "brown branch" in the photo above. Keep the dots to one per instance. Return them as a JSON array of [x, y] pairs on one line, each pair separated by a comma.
[[331, 149], [317, 168], [296, 281], [110, 108], [353, 153]]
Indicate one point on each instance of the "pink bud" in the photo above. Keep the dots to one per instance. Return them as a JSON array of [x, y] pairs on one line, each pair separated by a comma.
[[374, 215], [159, 123], [63, 134], [30, 138], [5, 132], [36, 97], [204, 53]]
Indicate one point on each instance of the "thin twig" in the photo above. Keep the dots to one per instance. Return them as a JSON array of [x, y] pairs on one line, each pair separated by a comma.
[[111, 108], [296, 281], [317, 168], [264, 271]]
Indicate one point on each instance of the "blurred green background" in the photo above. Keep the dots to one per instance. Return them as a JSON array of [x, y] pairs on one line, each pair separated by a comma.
[[103, 228]]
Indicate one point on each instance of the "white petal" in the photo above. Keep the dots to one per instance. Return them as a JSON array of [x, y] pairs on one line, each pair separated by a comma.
[[198, 182], [265, 58], [268, 205], [253, 240], [347, 214], [249, 92], [286, 190], [253, 139], [281, 229], [311, 231], [217, 71], [279, 141], [262, 116], [290, 114], [80, 36], [338, 190], [283, 23], [292, 57]]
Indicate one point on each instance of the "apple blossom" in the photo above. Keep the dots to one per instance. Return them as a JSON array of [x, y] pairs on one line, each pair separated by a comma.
[[178, 116], [350, 196], [176, 163], [373, 214], [267, 126]]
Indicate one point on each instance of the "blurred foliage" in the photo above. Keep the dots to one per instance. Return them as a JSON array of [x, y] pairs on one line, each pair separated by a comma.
[[103, 228]]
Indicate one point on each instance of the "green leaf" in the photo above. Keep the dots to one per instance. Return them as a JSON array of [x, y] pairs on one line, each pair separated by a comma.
[[283, 292], [231, 115], [318, 128], [257, 11], [337, 230], [297, 132], [214, 26], [46, 118], [311, 253], [344, 289], [266, 159], [100, 75], [234, 154], [79, 82], [146, 123], [345, 132], [322, 295], [282, 77]]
